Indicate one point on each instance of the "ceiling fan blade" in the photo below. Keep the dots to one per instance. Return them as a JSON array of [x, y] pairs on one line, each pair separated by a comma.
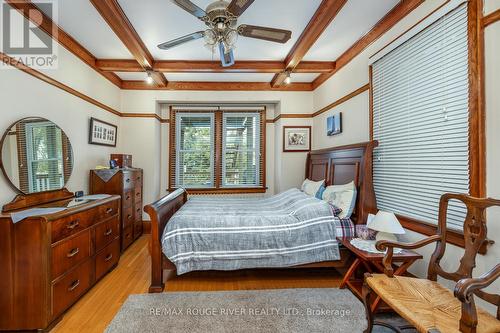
[[270, 34], [237, 7], [190, 7], [181, 40]]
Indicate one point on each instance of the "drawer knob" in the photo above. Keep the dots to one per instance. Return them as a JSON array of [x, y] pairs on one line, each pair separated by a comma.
[[108, 232], [73, 285], [109, 210], [73, 252], [73, 224], [138, 178], [129, 216], [128, 197], [128, 180], [138, 194], [108, 257]]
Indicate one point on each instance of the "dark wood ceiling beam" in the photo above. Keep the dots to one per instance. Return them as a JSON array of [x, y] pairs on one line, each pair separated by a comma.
[[56, 33], [114, 15], [324, 15], [179, 66], [387, 22], [217, 86]]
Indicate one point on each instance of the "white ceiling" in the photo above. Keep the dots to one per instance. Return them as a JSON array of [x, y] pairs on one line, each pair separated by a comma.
[[81, 20], [356, 18], [158, 21], [134, 76]]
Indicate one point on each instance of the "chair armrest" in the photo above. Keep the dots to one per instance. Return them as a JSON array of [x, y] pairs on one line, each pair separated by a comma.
[[465, 288], [389, 246]]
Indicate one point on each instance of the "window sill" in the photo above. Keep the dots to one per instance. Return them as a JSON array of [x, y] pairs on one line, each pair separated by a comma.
[[452, 236], [238, 190]]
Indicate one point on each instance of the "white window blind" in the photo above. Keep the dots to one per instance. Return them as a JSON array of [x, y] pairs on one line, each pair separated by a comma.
[[194, 150], [421, 120], [241, 149]]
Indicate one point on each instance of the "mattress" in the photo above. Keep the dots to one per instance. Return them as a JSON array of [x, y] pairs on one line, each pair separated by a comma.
[[287, 229]]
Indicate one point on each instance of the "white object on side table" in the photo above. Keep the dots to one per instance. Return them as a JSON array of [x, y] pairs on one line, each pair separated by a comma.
[[368, 246], [387, 225]]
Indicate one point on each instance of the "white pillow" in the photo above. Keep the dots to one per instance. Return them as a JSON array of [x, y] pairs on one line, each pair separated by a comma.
[[342, 196], [311, 188]]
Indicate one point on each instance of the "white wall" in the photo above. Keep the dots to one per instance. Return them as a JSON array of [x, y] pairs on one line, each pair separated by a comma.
[[356, 127], [22, 95], [283, 170]]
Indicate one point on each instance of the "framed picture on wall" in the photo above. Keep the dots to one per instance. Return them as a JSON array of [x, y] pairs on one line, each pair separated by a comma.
[[334, 124], [102, 133], [296, 138]]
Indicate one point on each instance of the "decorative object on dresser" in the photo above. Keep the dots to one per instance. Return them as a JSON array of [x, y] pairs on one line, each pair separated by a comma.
[[53, 246], [102, 133], [296, 138], [122, 160], [427, 304], [334, 124], [371, 262], [387, 226], [128, 184]]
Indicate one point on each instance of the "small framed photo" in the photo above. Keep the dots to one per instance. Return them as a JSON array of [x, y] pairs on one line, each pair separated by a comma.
[[102, 133], [296, 138], [334, 124]]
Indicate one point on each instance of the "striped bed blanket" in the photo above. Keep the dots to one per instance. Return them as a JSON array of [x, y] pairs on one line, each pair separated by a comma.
[[287, 229]]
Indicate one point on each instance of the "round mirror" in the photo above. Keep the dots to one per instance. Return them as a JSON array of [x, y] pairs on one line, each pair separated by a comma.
[[36, 156]]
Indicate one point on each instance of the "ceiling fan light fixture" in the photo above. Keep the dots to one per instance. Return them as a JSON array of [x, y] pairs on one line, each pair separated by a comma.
[[288, 78], [149, 78]]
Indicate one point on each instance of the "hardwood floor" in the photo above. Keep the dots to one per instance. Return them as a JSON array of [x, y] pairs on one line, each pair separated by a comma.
[[98, 307]]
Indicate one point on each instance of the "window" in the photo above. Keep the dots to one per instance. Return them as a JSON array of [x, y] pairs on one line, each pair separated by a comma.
[[219, 151], [421, 120], [195, 150], [241, 152]]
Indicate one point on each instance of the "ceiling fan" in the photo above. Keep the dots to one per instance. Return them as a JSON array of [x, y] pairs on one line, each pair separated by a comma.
[[221, 18]]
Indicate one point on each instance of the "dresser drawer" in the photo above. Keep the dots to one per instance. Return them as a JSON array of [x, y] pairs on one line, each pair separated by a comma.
[[128, 198], [137, 213], [70, 225], [138, 194], [105, 232], [128, 216], [137, 229], [107, 258], [127, 236], [68, 289], [128, 180], [68, 253]]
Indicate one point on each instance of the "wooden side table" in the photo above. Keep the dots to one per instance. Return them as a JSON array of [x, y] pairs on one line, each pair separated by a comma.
[[372, 263]]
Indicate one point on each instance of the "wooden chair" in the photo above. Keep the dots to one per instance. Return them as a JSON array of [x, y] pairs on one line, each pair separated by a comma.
[[426, 304]]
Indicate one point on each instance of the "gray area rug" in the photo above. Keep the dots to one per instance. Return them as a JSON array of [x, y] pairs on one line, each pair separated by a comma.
[[283, 310]]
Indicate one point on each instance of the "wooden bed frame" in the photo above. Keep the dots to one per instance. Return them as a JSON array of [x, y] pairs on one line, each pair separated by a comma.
[[339, 165]]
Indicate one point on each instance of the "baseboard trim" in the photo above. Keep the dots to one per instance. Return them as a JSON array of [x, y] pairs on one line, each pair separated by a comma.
[[146, 227]]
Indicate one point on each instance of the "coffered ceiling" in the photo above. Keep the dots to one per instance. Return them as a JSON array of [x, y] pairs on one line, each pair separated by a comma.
[[122, 36]]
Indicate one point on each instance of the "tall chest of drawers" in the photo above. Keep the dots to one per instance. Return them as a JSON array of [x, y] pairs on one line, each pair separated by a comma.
[[128, 184], [49, 261]]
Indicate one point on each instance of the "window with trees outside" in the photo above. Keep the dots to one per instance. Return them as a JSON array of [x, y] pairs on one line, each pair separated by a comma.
[[217, 151]]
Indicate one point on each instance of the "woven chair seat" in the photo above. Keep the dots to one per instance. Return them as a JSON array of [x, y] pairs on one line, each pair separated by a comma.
[[426, 304]]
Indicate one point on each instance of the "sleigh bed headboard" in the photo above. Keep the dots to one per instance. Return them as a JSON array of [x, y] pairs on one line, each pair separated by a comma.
[[341, 165]]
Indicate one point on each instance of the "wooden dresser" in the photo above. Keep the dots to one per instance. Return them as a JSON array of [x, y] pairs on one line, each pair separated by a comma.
[[128, 184], [49, 261]]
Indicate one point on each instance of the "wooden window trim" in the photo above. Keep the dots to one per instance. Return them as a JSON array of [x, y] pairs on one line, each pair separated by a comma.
[[218, 189], [477, 137]]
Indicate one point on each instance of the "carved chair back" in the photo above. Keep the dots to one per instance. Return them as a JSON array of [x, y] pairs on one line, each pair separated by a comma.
[[475, 232]]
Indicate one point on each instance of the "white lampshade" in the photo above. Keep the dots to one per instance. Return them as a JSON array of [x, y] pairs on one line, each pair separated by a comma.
[[386, 222]]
